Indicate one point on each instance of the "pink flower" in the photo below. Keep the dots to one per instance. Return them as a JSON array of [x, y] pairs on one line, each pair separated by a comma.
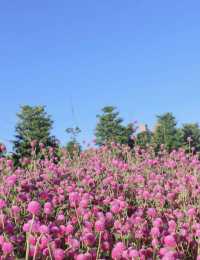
[[100, 225], [157, 222], [47, 208], [170, 241], [86, 256], [118, 250], [155, 232], [10, 163], [15, 210], [44, 229], [172, 226], [60, 217], [2, 148], [74, 243], [69, 229], [32, 240], [34, 207], [74, 198], [151, 212], [1, 240], [11, 180], [26, 227], [7, 248], [115, 207], [191, 212], [59, 254], [133, 253], [198, 233], [89, 239], [2, 204]]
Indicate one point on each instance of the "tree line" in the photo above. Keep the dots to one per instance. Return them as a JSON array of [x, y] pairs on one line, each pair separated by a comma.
[[34, 125]]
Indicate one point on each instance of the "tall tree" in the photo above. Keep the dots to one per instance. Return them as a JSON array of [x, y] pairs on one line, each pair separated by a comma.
[[33, 127], [190, 136], [166, 132], [110, 128]]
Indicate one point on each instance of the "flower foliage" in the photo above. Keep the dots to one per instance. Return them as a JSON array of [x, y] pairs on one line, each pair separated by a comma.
[[107, 203]]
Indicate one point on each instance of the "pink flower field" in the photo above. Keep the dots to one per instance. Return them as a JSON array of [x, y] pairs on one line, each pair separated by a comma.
[[106, 203]]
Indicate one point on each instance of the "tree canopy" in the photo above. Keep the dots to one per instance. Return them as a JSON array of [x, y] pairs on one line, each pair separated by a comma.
[[34, 126], [110, 128]]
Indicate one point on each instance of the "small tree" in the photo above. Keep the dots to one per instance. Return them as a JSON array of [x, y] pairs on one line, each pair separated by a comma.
[[34, 126], [110, 129], [166, 132], [73, 145]]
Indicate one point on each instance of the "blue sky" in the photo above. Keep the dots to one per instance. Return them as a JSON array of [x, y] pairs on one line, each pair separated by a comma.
[[139, 55]]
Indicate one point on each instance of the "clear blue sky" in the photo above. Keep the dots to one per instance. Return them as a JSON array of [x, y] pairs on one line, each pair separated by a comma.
[[142, 56]]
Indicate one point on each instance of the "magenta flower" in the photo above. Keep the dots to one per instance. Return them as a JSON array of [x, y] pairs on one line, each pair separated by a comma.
[[2, 204], [43, 229], [34, 207], [100, 225], [118, 251], [47, 208], [7, 248], [59, 254], [15, 209], [170, 241]]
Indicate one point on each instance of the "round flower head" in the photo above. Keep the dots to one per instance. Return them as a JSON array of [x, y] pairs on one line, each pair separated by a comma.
[[47, 208], [191, 212], [15, 209], [115, 207], [2, 203], [7, 248], [89, 239], [151, 212], [59, 254], [133, 253], [170, 241], [155, 232], [118, 251], [43, 229], [100, 225], [34, 207], [86, 256], [69, 229]]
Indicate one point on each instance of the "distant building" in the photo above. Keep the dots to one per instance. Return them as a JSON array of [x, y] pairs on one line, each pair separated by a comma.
[[143, 128]]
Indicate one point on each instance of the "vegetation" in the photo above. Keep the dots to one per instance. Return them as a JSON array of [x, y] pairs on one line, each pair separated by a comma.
[[100, 206], [32, 130], [73, 146], [110, 128]]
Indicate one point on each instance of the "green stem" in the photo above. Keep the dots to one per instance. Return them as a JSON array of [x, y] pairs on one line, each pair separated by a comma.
[[99, 246], [27, 239]]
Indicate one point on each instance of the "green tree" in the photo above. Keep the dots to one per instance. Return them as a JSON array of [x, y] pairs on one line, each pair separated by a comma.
[[110, 129], [34, 126], [73, 146], [166, 132], [190, 136], [143, 138]]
